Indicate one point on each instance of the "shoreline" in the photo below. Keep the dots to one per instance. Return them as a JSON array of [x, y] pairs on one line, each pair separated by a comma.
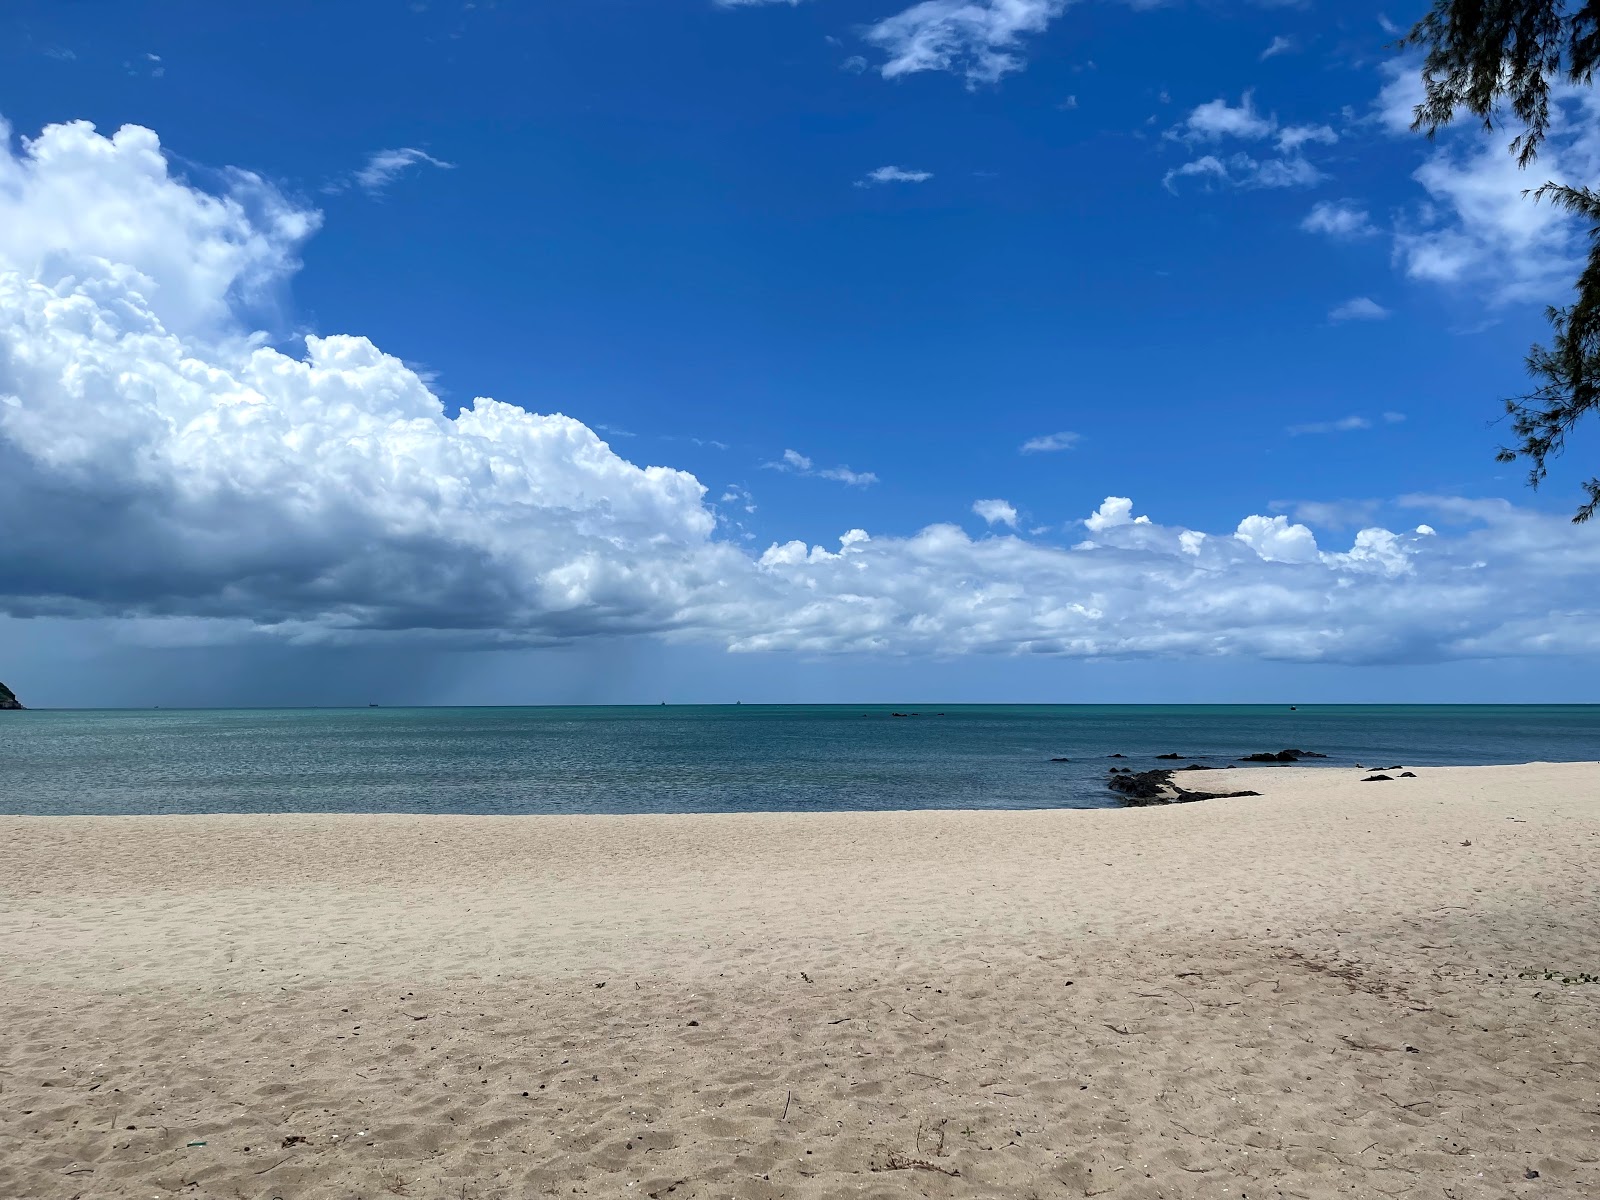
[[1236, 776], [1130, 1002]]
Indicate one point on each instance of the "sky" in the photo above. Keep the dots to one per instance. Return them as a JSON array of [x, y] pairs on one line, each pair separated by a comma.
[[826, 350]]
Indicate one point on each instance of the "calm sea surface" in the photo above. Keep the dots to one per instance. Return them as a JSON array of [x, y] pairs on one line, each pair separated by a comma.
[[706, 759]]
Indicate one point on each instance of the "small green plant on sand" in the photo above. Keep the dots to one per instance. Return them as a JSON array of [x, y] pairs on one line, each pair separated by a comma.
[[1565, 980]]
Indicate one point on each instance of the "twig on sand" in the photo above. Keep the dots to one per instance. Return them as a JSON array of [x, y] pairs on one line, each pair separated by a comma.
[[1119, 1029], [925, 1075], [1397, 1104], [275, 1165], [901, 1162], [786, 1100], [1355, 1045]]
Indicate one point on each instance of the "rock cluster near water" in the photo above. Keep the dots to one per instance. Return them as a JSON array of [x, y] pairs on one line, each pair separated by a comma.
[[1141, 789], [1282, 756], [1145, 788], [8, 698]]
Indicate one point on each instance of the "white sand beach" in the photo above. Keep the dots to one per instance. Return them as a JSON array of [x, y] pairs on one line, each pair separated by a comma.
[[1319, 992]]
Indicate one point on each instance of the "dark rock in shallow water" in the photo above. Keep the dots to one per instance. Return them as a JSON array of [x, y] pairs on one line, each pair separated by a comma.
[[8, 699], [1172, 756], [1116, 756], [1196, 767], [1141, 787], [1282, 756], [1060, 760]]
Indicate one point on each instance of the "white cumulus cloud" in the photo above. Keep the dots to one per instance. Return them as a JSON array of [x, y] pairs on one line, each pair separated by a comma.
[[1276, 540], [192, 470], [1217, 119], [996, 512], [164, 466], [1113, 512]]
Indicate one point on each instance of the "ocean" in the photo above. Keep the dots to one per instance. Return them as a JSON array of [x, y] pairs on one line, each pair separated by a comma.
[[681, 759]]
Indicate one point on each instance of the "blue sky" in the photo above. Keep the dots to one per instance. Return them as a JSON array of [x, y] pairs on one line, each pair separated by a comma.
[[840, 262]]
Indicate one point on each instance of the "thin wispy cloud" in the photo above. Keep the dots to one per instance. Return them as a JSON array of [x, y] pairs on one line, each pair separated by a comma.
[[892, 174], [846, 475], [1331, 514], [1339, 219], [1361, 308], [795, 463], [739, 496], [980, 40], [1049, 443], [1342, 425], [1278, 45], [385, 166], [146, 64], [1217, 121], [1475, 231], [1246, 171], [1292, 137]]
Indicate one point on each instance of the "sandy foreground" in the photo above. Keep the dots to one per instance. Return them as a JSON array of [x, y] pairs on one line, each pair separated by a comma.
[[1320, 992]]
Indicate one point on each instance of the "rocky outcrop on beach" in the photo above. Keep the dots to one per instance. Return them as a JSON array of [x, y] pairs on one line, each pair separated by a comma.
[[8, 698], [1142, 789]]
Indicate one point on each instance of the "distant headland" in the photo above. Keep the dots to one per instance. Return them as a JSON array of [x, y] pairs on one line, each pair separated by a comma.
[[8, 698]]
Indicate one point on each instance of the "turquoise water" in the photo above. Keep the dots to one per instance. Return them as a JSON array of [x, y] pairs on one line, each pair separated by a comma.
[[707, 759]]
